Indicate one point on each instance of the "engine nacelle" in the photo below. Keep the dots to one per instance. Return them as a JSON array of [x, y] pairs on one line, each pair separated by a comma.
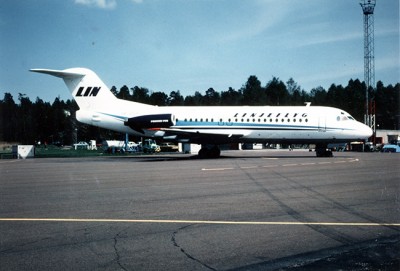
[[151, 121]]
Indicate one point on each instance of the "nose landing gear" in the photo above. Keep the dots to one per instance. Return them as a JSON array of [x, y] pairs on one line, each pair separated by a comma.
[[322, 151]]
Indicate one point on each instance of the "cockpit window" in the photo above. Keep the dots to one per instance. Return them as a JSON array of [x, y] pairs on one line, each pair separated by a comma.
[[341, 118], [344, 117]]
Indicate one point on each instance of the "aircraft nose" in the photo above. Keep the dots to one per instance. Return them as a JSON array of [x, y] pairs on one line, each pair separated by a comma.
[[366, 131]]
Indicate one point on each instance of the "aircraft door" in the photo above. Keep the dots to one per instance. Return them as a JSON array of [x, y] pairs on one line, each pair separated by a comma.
[[322, 123]]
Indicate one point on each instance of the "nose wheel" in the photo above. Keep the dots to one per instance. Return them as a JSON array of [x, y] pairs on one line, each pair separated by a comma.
[[323, 151]]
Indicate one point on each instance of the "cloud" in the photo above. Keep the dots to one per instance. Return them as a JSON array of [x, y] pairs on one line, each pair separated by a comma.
[[254, 20], [323, 38], [103, 4]]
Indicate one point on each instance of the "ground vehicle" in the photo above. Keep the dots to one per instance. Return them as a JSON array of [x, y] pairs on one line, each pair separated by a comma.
[[81, 145], [391, 148], [113, 146], [168, 147], [149, 146]]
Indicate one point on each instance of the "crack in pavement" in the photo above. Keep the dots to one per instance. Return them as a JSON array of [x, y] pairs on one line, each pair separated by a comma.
[[173, 239], [371, 254], [118, 258]]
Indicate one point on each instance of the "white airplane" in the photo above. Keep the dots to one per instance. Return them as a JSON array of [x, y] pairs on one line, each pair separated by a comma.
[[209, 125]]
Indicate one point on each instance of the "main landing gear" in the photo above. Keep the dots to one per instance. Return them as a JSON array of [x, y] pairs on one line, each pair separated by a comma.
[[322, 151], [209, 152]]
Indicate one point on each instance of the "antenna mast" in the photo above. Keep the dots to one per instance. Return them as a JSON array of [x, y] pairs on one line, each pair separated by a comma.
[[369, 59]]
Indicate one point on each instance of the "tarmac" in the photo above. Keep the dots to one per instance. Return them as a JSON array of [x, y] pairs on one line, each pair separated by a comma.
[[248, 210]]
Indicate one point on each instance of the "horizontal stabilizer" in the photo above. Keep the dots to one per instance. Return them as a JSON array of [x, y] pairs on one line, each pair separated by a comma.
[[58, 73]]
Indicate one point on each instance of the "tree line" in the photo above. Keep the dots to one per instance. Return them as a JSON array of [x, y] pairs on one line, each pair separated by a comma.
[[28, 122]]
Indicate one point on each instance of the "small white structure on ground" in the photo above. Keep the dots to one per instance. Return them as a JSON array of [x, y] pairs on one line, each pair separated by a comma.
[[23, 151]]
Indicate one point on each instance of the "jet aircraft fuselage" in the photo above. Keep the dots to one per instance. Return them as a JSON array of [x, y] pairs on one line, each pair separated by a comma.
[[209, 125]]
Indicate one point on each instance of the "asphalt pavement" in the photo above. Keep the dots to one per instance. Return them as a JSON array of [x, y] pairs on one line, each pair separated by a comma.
[[248, 210]]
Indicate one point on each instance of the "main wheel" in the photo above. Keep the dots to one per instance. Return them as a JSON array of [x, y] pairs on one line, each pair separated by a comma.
[[214, 152]]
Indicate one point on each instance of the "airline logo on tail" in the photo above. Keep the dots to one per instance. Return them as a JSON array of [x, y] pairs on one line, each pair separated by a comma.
[[89, 91]]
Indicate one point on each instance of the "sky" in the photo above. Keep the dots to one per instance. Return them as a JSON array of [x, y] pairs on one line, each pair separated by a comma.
[[192, 45]]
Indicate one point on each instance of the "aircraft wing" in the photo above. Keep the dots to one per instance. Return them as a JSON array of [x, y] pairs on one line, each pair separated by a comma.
[[199, 136]]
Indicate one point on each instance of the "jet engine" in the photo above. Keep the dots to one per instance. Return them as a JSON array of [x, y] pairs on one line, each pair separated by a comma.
[[151, 121]]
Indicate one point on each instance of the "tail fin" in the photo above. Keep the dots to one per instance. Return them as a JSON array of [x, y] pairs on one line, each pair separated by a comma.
[[86, 87]]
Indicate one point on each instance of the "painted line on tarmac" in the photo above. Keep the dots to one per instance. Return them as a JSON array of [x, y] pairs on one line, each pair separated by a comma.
[[217, 169], [162, 221], [348, 160], [249, 167]]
